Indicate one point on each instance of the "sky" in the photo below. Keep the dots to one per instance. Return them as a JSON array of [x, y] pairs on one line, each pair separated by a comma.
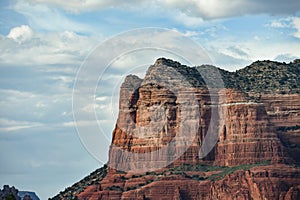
[[45, 43]]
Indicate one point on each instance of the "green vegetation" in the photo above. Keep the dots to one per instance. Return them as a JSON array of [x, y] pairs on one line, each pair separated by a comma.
[[132, 188], [114, 187], [150, 173], [137, 176], [197, 177], [290, 128], [10, 197], [198, 168], [262, 77], [71, 192], [120, 172], [269, 77], [221, 172], [231, 170]]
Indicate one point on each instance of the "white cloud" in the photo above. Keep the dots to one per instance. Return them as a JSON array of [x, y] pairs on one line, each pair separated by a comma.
[[190, 21], [203, 8], [191, 33], [285, 57], [102, 98], [90, 108], [237, 52], [122, 61], [16, 94], [214, 31], [44, 48], [84, 123], [296, 23], [7, 125], [20, 34], [277, 24], [281, 23], [288, 22], [42, 108], [231, 57]]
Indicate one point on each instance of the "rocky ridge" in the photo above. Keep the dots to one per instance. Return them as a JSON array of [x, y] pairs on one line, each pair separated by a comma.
[[258, 137], [73, 191], [11, 193]]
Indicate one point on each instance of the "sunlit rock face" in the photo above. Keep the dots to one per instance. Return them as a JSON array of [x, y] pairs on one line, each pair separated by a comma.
[[178, 137], [161, 113]]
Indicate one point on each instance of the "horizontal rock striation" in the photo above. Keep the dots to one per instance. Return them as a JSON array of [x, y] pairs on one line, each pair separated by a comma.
[[205, 133], [258, 182], [247, 136], [149, 133]]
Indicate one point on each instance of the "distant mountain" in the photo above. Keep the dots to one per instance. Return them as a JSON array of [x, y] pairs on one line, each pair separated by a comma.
[[11, 193], [28, 195]]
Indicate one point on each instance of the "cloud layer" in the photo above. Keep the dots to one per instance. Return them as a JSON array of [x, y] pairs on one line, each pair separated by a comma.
[[23, 45], [197, 8]]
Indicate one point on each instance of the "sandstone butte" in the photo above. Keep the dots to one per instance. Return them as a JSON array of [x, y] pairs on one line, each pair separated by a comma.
[[256, 125]]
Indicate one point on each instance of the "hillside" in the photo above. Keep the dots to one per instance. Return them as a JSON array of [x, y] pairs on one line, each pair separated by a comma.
[[72, 191]]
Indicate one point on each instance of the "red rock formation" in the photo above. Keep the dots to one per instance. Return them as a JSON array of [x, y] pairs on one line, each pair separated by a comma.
[[258, 183], [152, 114], [264, 182], [284, 115], [283, 110], [247, 136]]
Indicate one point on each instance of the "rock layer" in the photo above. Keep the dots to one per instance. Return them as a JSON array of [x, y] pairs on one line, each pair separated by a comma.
[[154, 111], [179, 138], [265, 182]]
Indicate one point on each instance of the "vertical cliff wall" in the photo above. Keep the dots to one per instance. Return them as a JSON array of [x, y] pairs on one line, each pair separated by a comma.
[[153, 111]]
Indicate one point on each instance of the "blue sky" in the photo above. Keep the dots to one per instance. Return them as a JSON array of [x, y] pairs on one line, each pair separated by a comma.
[[44, 42]]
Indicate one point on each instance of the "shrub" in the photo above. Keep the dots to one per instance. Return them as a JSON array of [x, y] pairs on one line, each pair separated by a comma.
[[120, 172], [150, 173], [114, 187]]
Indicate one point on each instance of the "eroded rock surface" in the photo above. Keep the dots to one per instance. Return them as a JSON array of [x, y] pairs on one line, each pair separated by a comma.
[[179, 138]]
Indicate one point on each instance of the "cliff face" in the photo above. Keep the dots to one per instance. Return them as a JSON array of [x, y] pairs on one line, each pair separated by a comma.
[[179, 138], [151, 118], [152, 111], [257, 183], [283, 110], [247, 136]]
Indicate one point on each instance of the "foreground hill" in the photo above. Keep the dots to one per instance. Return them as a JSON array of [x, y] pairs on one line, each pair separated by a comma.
[[257, 125]]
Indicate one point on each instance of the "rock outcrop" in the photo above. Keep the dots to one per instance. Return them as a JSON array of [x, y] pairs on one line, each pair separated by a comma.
[[247, 136], [152, 111], [9, 193], [182, 133]]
